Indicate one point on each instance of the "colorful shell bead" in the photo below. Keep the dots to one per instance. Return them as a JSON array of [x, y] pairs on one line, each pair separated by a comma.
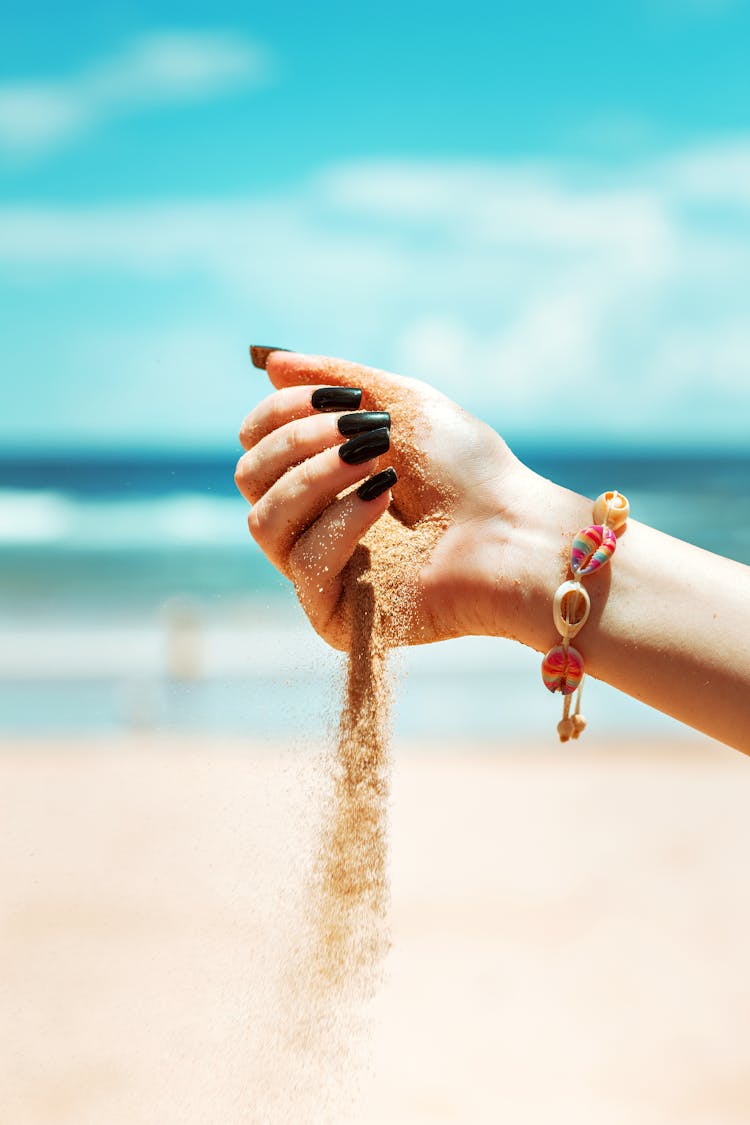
[[592, 548], [562, 669], [611, 508]]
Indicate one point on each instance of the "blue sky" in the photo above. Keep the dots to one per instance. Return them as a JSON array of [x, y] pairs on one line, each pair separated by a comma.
[[543, 209]]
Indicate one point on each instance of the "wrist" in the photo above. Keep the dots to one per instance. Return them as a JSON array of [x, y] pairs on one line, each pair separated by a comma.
[[526, 556]]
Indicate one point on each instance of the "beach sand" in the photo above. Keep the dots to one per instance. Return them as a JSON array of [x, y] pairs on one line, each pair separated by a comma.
[[570, 934]]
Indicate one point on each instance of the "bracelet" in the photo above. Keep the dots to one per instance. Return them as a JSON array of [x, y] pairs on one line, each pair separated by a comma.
[[593, 547]]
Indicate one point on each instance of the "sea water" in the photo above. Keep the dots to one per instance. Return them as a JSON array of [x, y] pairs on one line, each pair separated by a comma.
[[131, 596]]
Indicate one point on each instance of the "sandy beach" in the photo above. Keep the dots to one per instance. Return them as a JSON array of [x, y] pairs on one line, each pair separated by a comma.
[[569, 934]]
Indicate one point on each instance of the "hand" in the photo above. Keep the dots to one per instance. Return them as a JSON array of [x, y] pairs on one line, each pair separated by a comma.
[[479, 543], [459, 489]]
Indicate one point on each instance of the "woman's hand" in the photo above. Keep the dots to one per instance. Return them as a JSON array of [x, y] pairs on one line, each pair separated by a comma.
[[457, 479], [479, 543]]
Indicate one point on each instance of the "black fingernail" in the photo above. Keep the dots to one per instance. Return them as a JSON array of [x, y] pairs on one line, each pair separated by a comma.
[[337, 398], [259, 354], [363, 447], [363, 421], [377, 485]]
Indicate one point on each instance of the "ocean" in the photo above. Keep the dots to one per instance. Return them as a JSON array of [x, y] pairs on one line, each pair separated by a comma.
[[132, 597]]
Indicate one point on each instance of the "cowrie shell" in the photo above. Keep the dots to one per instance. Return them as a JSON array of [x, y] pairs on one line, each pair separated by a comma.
[[562, 669], [612, 509], [570, 609], [592, 548]]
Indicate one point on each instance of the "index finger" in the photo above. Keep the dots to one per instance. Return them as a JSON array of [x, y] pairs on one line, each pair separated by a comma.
[[285, 369]]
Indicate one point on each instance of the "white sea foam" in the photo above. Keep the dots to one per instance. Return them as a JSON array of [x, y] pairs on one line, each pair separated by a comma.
[[184, 519], [34, 517]]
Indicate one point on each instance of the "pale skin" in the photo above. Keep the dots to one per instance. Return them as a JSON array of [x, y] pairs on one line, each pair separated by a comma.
[[669, 622]]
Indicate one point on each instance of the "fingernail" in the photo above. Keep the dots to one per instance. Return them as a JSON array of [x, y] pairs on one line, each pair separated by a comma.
[[364, 447], [337, 398], [377, 485], [259, 354], [363, 421]]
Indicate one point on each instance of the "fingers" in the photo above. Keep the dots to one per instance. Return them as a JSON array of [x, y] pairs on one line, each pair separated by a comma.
[[268, 460], [274, 411], [293, 504], [319, 556], [292, 403], [286, 369], [306, 518]]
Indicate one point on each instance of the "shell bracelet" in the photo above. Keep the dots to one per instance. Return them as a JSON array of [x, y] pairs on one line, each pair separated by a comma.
[[593, 547]]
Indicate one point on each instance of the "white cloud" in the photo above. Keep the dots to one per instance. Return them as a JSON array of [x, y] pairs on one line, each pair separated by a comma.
[[552, 343], [717, 174], [620, 303], [170, 66], [551, 298], [504, 203]]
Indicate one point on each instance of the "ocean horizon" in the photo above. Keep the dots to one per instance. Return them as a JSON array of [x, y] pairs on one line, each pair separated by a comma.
[[110, 561]]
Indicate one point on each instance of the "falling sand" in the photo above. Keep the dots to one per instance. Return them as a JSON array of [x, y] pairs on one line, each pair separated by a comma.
[[351, 896], [343, 935], [351, 891]]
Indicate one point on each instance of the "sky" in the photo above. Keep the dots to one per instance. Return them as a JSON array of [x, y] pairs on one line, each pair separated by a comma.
[[542, 209]]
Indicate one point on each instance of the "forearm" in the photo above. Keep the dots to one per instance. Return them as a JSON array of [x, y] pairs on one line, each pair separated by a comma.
[[669, 622]]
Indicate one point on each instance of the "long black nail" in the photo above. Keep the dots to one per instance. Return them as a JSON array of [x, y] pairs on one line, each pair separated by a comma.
[[259, 354], [377, 485], [337, 398], [363, 421], [363, 447]]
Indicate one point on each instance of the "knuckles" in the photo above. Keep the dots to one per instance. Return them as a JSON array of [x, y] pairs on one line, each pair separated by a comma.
[[249, 431], [255, 523], [245, 478], [260, 421]]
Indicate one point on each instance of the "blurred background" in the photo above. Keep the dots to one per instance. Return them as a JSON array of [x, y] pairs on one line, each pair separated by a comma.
[[543, 211]]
